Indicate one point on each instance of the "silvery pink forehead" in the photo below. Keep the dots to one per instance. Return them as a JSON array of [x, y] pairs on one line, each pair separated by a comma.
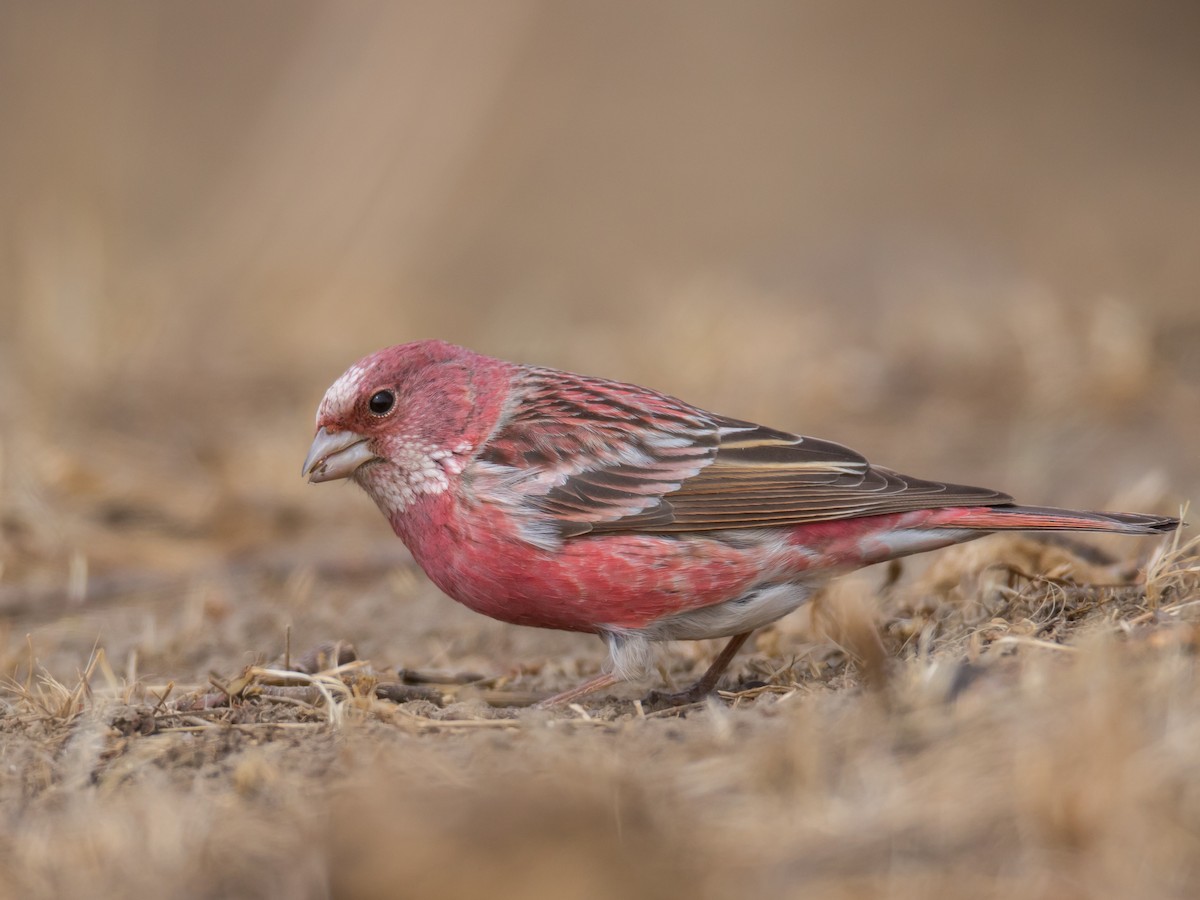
[[342, 393]]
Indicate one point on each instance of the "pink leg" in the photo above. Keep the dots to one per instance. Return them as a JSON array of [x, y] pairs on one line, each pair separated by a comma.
[[598, 683], [698, 691]]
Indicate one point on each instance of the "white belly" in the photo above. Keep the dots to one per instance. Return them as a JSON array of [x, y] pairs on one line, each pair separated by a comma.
[[754, 609]]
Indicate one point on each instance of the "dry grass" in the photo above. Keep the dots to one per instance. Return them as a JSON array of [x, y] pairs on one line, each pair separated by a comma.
[[1021, 733], [1027, 734], [958, 238]]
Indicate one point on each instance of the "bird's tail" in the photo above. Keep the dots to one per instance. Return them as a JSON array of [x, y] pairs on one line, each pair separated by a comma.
[[1044, 518]]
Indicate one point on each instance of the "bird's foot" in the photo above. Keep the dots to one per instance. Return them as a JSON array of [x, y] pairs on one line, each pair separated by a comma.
[[656, 700], [707, 683]]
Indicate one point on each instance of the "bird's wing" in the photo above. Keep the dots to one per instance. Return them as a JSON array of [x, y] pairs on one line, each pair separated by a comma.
[[603, 457]]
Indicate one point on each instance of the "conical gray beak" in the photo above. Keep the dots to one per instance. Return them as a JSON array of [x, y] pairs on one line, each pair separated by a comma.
[[335, 454]]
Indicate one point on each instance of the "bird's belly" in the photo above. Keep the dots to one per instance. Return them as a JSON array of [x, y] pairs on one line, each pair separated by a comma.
[[753, 609], [593, 583]]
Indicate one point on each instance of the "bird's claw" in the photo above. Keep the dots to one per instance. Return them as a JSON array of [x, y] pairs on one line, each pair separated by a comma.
[[656, 700]]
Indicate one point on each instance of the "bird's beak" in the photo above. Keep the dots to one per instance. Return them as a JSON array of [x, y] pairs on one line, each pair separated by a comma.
[[335, 454]]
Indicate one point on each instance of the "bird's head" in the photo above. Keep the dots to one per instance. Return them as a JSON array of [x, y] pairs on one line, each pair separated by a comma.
[[405, 420]]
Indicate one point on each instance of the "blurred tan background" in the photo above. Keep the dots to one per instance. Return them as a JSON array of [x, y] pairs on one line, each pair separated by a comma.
[[959, 237]]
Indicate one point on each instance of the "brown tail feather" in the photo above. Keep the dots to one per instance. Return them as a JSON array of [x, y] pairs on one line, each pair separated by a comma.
[[1044, 518]]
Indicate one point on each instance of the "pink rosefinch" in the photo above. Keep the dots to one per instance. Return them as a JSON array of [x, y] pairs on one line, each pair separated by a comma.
[[544, 498]]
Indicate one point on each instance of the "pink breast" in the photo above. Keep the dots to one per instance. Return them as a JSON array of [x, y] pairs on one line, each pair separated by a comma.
[[628, 581]]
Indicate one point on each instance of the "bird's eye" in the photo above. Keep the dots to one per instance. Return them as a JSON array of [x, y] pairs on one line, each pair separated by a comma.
[[381, 403]]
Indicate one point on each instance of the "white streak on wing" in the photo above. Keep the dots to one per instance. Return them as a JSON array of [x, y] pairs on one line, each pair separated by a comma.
[[669, 442], [539, 531], [510, 489]]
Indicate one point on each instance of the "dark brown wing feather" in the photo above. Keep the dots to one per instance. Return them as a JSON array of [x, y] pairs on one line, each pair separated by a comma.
[[765, 478], [611, 457]]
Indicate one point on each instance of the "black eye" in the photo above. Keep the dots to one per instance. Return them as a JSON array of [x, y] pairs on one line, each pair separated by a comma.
[[381, 403]]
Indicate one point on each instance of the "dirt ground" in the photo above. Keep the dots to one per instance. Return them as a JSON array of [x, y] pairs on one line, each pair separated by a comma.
[[959, 239]]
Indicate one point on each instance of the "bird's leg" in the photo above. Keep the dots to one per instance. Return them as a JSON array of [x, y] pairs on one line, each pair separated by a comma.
[[698, 691], [707, 682], [605, 679]]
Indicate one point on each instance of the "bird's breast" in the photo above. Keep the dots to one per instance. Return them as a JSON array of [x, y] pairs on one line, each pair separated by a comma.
[[475, 553]]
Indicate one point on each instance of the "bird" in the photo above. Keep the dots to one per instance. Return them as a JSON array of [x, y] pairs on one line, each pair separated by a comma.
[[544, 498]]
